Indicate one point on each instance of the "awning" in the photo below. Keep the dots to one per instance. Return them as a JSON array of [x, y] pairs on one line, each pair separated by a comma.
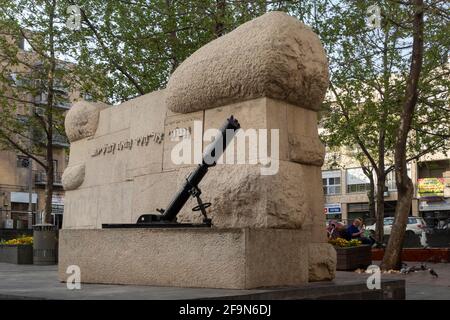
[[23, 197]]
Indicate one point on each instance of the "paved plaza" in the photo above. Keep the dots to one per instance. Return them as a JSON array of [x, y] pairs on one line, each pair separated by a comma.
[[40, 282]]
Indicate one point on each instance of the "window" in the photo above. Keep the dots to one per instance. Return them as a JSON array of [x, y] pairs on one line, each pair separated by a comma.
[[390, 181], [57, 209], [357, 181], [55, 165], [22, 119], [355, 188], [22, 162], [19, 80], [23, 44], [331, 182], [358, 207]]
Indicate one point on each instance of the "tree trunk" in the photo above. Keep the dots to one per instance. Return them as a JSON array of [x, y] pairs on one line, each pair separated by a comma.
[[371, 193], [405, 189], [173, 42], [381, 172], [49, 183], [379, 223], [49, 114], [392, 255], [219, 26], [371, 196]]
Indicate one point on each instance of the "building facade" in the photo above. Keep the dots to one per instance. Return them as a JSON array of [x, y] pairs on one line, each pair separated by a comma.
[[22, 180], [346, 189]]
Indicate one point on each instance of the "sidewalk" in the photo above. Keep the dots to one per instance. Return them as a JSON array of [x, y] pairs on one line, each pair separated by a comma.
[[40, 282], [420, 285]]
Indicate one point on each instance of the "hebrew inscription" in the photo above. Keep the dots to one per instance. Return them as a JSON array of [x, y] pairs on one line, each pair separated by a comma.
[[142, 141]]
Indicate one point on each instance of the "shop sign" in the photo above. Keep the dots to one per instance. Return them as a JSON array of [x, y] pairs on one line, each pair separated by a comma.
[[430, 187], [332, 208]]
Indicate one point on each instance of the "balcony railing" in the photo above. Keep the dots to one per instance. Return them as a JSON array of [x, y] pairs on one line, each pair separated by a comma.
[[63, 105], [40, 178]]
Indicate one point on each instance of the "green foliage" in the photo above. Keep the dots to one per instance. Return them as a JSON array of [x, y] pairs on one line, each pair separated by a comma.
[[27, 120], [131, 47], [369, 69], [127, 48]]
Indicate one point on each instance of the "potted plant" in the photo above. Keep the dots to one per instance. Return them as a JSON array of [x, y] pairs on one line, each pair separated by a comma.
[[19, 250], [351, 254]]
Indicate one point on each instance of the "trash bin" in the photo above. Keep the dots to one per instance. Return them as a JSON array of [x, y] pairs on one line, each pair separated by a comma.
[[45, 244]]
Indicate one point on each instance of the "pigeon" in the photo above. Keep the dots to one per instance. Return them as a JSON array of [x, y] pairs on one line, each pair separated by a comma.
[[414, 269], [405, 270], [433, 273], [423, 267]]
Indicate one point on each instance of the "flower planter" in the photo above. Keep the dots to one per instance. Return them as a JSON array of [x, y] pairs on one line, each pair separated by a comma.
[[351, 258], [16, 253]]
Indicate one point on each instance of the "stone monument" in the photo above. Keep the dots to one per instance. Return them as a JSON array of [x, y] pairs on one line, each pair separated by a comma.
[[268, 226]]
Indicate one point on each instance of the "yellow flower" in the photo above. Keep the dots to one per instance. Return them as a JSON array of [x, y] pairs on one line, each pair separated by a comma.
[[20, 240], [339, 242]]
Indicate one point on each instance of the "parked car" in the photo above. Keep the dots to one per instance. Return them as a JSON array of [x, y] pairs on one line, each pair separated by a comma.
[[415, 224]]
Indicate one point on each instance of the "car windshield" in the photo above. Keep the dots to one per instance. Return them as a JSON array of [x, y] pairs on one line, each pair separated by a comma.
[[388, 222]]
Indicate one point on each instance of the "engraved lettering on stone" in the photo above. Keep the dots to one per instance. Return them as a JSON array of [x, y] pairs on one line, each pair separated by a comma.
[[111, 148], [179, 133]]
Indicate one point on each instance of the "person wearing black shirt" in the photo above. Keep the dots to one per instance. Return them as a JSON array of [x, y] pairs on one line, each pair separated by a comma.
[[355, 231]]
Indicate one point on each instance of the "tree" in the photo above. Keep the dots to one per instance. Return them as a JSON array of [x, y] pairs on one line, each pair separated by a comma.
[[368, 79], [392, 255], [30, 81]]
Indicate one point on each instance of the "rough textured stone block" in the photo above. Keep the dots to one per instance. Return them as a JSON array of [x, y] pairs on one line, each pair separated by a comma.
[[298, 136], [273, 56], [73, 176], [248, 199], [82, 119], [322, 261]]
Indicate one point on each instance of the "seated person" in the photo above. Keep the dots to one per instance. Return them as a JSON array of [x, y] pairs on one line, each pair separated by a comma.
[[337, 230], [355, 231], [331, 229]]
